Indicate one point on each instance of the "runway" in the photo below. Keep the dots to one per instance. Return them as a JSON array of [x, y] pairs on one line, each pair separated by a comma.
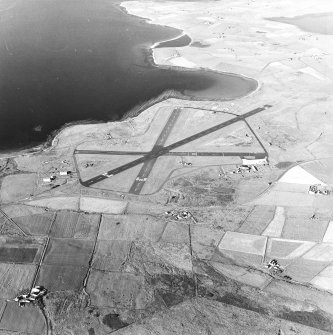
[[149, 158]]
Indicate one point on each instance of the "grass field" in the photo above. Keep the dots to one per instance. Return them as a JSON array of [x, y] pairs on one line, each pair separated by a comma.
[[227, 218], [257, 220], [15, 277], [202, 251], [305, 229], [28, 320], [87, 226], [286, 250], [16, 187], [176, 232], [171, 167], [17, 255], [61, 277], [160, 258], [3, 219], [206, 234], [110, 255], [15, 211], [307, 224], [20, 250], [36, 224], [321, 169], [304, 270], [256, 279], [64, 224], [69, 224], [68, 252], [116, 289], [131, 227]]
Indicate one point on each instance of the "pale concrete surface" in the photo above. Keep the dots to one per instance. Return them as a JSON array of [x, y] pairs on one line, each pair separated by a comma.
[[321, 169], [57, 203], [278, 198], [275, 227], [328, 237], [291, 187], [298, 175], [99, 205], [251, 244]]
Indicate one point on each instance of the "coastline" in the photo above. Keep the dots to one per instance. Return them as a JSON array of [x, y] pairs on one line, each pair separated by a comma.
[[156, 44], [136, 110]]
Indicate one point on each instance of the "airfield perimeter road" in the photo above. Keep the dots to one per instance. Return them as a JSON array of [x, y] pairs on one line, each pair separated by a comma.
[[158, 149]]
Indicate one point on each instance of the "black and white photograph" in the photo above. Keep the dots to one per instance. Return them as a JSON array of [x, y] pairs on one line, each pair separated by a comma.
[[166, 167]]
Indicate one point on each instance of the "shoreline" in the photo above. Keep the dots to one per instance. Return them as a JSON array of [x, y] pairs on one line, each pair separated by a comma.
[[156, 44], [136, 110]]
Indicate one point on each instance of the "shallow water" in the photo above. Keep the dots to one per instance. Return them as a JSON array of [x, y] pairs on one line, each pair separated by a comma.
[[181, 41], [68, 60], [321, 23]]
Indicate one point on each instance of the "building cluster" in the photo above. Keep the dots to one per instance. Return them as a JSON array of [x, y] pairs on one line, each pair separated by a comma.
[[274, 266], [276, 269], [179, 215], [319, 189], [36, 293], [249, 165], [88, 164], [245, 168], [54, 177], [185, 163]]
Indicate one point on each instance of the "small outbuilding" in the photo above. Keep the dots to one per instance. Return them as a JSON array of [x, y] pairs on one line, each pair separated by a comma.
[[64, 173], [48, 179]]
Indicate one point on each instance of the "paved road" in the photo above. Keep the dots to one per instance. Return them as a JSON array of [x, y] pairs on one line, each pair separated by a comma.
[[95, 152], [159, 150]]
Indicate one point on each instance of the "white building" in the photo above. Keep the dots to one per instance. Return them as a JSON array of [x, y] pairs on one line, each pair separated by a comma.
[[48, 179], [259, 161], [64, 173]]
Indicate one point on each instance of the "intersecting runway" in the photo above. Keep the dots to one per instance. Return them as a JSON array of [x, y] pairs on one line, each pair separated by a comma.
[[149, 158]]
